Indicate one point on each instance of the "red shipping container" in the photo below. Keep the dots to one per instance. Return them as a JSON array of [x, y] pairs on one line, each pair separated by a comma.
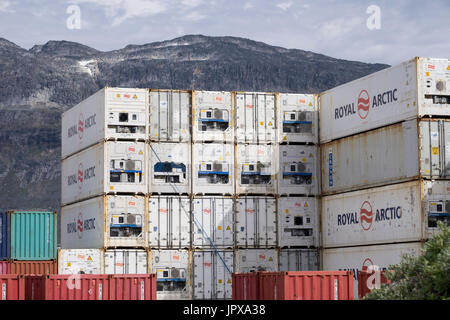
[[245, 286], [4, 267], [12, 287], [363, 280], [27, 267], [91, 287]]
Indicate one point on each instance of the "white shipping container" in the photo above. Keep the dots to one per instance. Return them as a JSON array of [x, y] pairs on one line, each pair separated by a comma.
[[416, 88], [298, 260], [256, 168], [111, 113], [354, 258], [105, 221], [213, 220], [173, 271], [298, 170], [109, 167], [251, 260], [399, 152], [298, 222], [212, 116], [212, 274], [255, 117], [170, 167], [396, 213], [169, 222], [80, 261], [298, 118], [256, 222], [213, 168], [170, 112], [126, 261]]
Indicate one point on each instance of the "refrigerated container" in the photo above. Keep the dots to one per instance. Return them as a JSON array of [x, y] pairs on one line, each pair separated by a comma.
[[173, 270], [256, 169], [298, 260], [80, 261], [212, 221], [404, 212], [377, 256], [169, 225], [416, 88], [109, 114], [298, 171], [400, 152], [170, 115], [298, 222], [212, 116], [251, 260], [212, 274], [126, 261], [105, 221], [109, 167], [170, 167], [33, 235], [4, 236], [298, 118], [213, 168], [12, 287], [256, 222], [255, 117]]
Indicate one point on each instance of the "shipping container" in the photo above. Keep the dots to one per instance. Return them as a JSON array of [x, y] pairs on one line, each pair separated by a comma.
[[4, 267], [169, 225], [298, 260], [105, 221], [170, 112], [174, 273], [212, 274], [4, 236], [397, 213], [256, 169], [213, 168], [255, 117], [109, 167], [212, 116], [170, 168], [298, 222], [12, 287], [213, 221], [111, 113], [33, 267], [91, 287], [246, 286], [416, 88], [80, 261], [126, 261], [256, 222], [298, 118], [298, 171], [369, 279], [355, 258], [251, 260], [399, 152], [33, 235], [306, 285]]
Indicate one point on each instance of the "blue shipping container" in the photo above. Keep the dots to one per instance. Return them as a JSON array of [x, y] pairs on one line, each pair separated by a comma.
[[4, 236]]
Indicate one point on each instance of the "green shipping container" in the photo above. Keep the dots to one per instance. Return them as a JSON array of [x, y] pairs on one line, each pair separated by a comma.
[[33, 235]]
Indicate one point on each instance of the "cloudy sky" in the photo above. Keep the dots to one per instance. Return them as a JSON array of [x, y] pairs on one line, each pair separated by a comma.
[[347, 29]]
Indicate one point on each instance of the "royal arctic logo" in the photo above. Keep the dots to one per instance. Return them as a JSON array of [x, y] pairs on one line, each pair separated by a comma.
[[363, 104], [80, 126], [80, 226], [366, 215], [80, 176]]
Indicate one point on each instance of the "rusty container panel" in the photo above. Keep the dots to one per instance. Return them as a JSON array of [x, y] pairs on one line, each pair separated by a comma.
[[245, 286], [33, 267], [12, 287]]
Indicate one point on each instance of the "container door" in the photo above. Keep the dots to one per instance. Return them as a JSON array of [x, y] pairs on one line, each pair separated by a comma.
[[179, 209], [203, 212], [223, 216], [202, 275], [267, 213], [245, 226], [223, 275]]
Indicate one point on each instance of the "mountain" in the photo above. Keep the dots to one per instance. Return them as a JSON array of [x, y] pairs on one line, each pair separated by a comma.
[[36, 85]]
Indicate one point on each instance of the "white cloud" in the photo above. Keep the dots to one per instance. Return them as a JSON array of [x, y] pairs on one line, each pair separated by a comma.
[[4, 5], [192, 3], [248, 5], [284, 5], [341, 27], [194, 16]]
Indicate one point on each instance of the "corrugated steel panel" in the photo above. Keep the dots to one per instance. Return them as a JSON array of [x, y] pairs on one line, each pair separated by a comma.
[[33, 235], [80, 261], [170, 112], [256, 222], [12, 287], [126, 261], [111, 113], [298, 260], [4, 236], [212, 116], [246, 286], [412, 89], [256, 169], [33, 267], [4, 267], [251, 260], [169, 222], [112, 166], [298, 118], [170, 168]]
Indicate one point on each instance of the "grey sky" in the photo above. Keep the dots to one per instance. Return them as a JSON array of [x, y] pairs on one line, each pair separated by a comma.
[[333, 27]]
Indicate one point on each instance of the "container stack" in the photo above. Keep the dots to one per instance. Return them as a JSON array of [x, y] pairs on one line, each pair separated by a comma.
[[385, 164], [104, 184]]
